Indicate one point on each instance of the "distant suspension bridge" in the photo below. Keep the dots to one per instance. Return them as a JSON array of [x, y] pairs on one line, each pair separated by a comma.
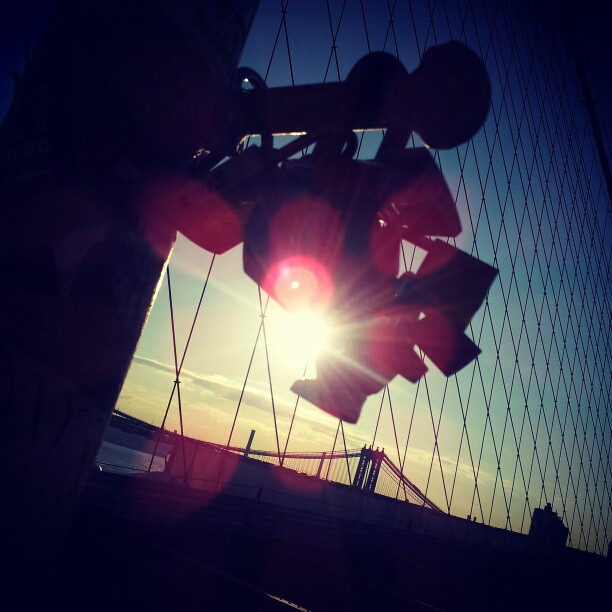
[[368, 469]]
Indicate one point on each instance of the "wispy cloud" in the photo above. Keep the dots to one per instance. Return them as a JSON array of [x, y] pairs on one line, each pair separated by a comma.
[[311, 424], [217, 386]]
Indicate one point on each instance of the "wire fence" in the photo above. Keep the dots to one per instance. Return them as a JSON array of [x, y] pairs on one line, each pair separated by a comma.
[[534, 411], [529, 422]]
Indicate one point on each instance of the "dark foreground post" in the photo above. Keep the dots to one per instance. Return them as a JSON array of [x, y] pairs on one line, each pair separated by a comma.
[[112, 98]]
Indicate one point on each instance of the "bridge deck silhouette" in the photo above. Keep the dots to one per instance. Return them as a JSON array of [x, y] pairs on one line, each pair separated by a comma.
[[229, 550]]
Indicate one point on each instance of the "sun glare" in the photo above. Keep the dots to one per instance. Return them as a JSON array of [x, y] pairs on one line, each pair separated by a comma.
[[304, 334]]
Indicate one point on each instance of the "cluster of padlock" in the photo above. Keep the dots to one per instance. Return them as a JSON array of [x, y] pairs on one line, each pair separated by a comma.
[[323, 231]]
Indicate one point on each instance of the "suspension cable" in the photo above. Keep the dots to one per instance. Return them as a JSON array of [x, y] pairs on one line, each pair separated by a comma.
[[193, 323], [177, 381], [382, 399], [297, 401], [246, 378], [265, 338], [348, 466], [331, 455]]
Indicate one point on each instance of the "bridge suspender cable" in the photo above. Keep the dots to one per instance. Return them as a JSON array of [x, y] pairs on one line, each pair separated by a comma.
[[177, 380], [332, 451], [174, 386], [348, 467], [246, 378], [265, 338], [297, 401]]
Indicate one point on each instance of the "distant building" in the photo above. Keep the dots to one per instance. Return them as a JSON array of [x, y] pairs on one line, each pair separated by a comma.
[[547, 526]]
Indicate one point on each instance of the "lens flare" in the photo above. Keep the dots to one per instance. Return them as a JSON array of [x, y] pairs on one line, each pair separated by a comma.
[[299, 283]]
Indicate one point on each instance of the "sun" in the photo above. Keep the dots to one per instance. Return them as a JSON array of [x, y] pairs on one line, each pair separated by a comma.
[[303, 334], [311, 331]]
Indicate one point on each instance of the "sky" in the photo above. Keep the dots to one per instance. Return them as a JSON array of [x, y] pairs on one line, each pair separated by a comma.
[[531, 201]]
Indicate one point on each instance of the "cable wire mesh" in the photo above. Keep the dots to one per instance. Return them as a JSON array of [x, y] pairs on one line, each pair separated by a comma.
[[528, 423]]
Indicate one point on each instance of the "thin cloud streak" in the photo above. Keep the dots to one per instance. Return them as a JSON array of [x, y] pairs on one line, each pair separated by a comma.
[[217, 386]]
